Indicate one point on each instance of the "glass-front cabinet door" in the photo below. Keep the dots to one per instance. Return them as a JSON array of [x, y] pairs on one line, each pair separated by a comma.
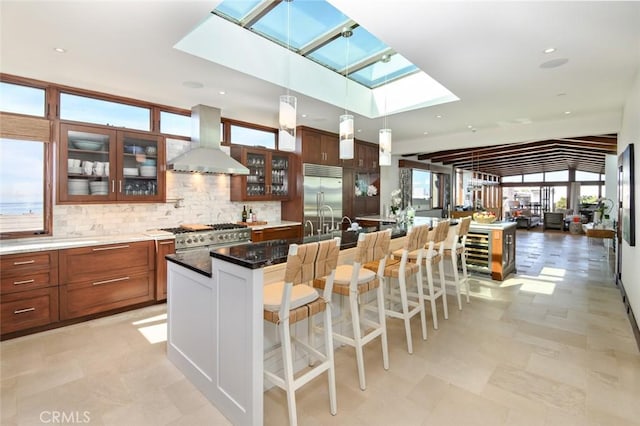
[[140, 167], [257, 163], [102, 165], [279, 175], [86, 170]]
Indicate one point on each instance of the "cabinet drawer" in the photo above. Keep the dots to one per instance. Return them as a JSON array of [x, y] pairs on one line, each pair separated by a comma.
[[97, 263], [281, 233], [27, 309], [16, 264], [90, 297], [28, 281]]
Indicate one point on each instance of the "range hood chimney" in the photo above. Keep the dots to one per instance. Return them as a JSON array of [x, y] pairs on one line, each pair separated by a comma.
[[205, 156]]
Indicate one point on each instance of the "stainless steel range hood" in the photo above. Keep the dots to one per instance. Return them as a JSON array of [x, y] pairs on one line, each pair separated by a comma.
[[205, 155]]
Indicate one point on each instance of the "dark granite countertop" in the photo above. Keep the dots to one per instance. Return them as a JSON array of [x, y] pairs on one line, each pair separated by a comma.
[[259, 255]]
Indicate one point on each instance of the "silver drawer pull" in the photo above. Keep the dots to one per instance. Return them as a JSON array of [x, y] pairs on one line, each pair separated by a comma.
[[166, 242], [22, 311], [110, 248], [25, 262], [110, 281], [23, 282]]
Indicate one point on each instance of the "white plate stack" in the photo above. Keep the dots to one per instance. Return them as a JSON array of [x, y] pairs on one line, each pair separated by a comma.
[[148, 171], [130, 171], [99, 187], [78, 187]]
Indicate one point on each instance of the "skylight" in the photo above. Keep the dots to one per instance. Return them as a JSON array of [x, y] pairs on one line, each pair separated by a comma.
[[312, 58]]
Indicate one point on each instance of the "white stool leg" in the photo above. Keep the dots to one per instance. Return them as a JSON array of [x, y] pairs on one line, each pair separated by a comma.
[[465, 275], [383, 324], [402, 282], [432, 299], [423, 316], [357, 337], [443, 284], [328, 347], [287, 359], [456, 277]]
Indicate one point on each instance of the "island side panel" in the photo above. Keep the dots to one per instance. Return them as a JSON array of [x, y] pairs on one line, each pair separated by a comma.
[[239, 341]]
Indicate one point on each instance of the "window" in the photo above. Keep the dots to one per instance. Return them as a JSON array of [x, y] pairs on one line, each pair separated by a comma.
[[22, 99], [533, 177], [512, 179], [175, 124], [586, 176], [90, 110], [242, 135], [24, 203], [560, 176]]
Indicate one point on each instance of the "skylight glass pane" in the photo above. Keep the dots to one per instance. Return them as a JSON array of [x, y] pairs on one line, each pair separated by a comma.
[[237, 9], [309, 20], [379, 72], [362, 45]]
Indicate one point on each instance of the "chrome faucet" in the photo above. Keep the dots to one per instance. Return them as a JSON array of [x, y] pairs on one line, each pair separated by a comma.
[[310, 224], [322, 225], [348, 218]]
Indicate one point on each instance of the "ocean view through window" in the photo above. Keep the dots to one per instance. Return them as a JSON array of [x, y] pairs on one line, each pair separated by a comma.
[[22, 186]]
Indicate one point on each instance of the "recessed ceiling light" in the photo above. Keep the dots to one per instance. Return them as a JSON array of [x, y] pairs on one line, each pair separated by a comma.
[[469, 126], [549, 50], [60, 50], [425, 133], [438, 116], [359, 130], [222, 92], [193, 84], [304, 115], [567, 112]]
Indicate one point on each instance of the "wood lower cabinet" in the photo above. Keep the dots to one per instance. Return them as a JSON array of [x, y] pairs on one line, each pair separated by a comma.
[[163, 248], [29, 290], [276, 233], [101, 278]]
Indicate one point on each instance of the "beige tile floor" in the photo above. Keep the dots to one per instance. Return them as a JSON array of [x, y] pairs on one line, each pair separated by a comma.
[[548, 346]]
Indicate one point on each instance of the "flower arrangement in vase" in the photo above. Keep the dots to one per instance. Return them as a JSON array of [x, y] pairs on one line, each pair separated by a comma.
[[396, 201]]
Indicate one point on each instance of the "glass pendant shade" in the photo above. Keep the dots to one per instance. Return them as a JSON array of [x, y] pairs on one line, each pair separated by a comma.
[[384, 143], [287, 134], [346, 137]]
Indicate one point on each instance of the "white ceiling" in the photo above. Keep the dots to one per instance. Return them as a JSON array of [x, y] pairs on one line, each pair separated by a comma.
[[487, 53]]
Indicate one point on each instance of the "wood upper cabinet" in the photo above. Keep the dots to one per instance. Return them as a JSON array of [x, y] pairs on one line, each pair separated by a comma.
[[320, 147], [100, 278], [98, 164], [269, 176], [29, 292], [366, 156]]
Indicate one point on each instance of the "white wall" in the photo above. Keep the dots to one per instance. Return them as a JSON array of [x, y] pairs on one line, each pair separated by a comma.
[[611, 183], [630, 133]]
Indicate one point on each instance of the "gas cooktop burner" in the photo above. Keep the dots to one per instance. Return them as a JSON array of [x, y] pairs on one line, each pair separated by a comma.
[[218, 226]]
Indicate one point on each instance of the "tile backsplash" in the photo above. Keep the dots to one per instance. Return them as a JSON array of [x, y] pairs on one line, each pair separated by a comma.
[[206, 200]]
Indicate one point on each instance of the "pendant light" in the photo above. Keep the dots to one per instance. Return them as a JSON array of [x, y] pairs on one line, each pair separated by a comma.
[[288, 103], [346, 120], [384, 137]]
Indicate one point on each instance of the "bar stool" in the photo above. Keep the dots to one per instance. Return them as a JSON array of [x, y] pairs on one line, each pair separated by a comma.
[[455, 246], [290, 301], [436, 257], [401, 267], [355, 281]]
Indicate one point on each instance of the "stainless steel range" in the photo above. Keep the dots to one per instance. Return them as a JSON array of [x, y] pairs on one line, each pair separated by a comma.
[[209, 236]]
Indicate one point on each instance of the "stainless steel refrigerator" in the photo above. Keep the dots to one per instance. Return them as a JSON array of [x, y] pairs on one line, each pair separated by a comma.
[[322, 197]]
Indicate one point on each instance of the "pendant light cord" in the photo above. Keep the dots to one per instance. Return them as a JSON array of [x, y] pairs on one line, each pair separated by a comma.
[[346, 80], [288, 46]]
